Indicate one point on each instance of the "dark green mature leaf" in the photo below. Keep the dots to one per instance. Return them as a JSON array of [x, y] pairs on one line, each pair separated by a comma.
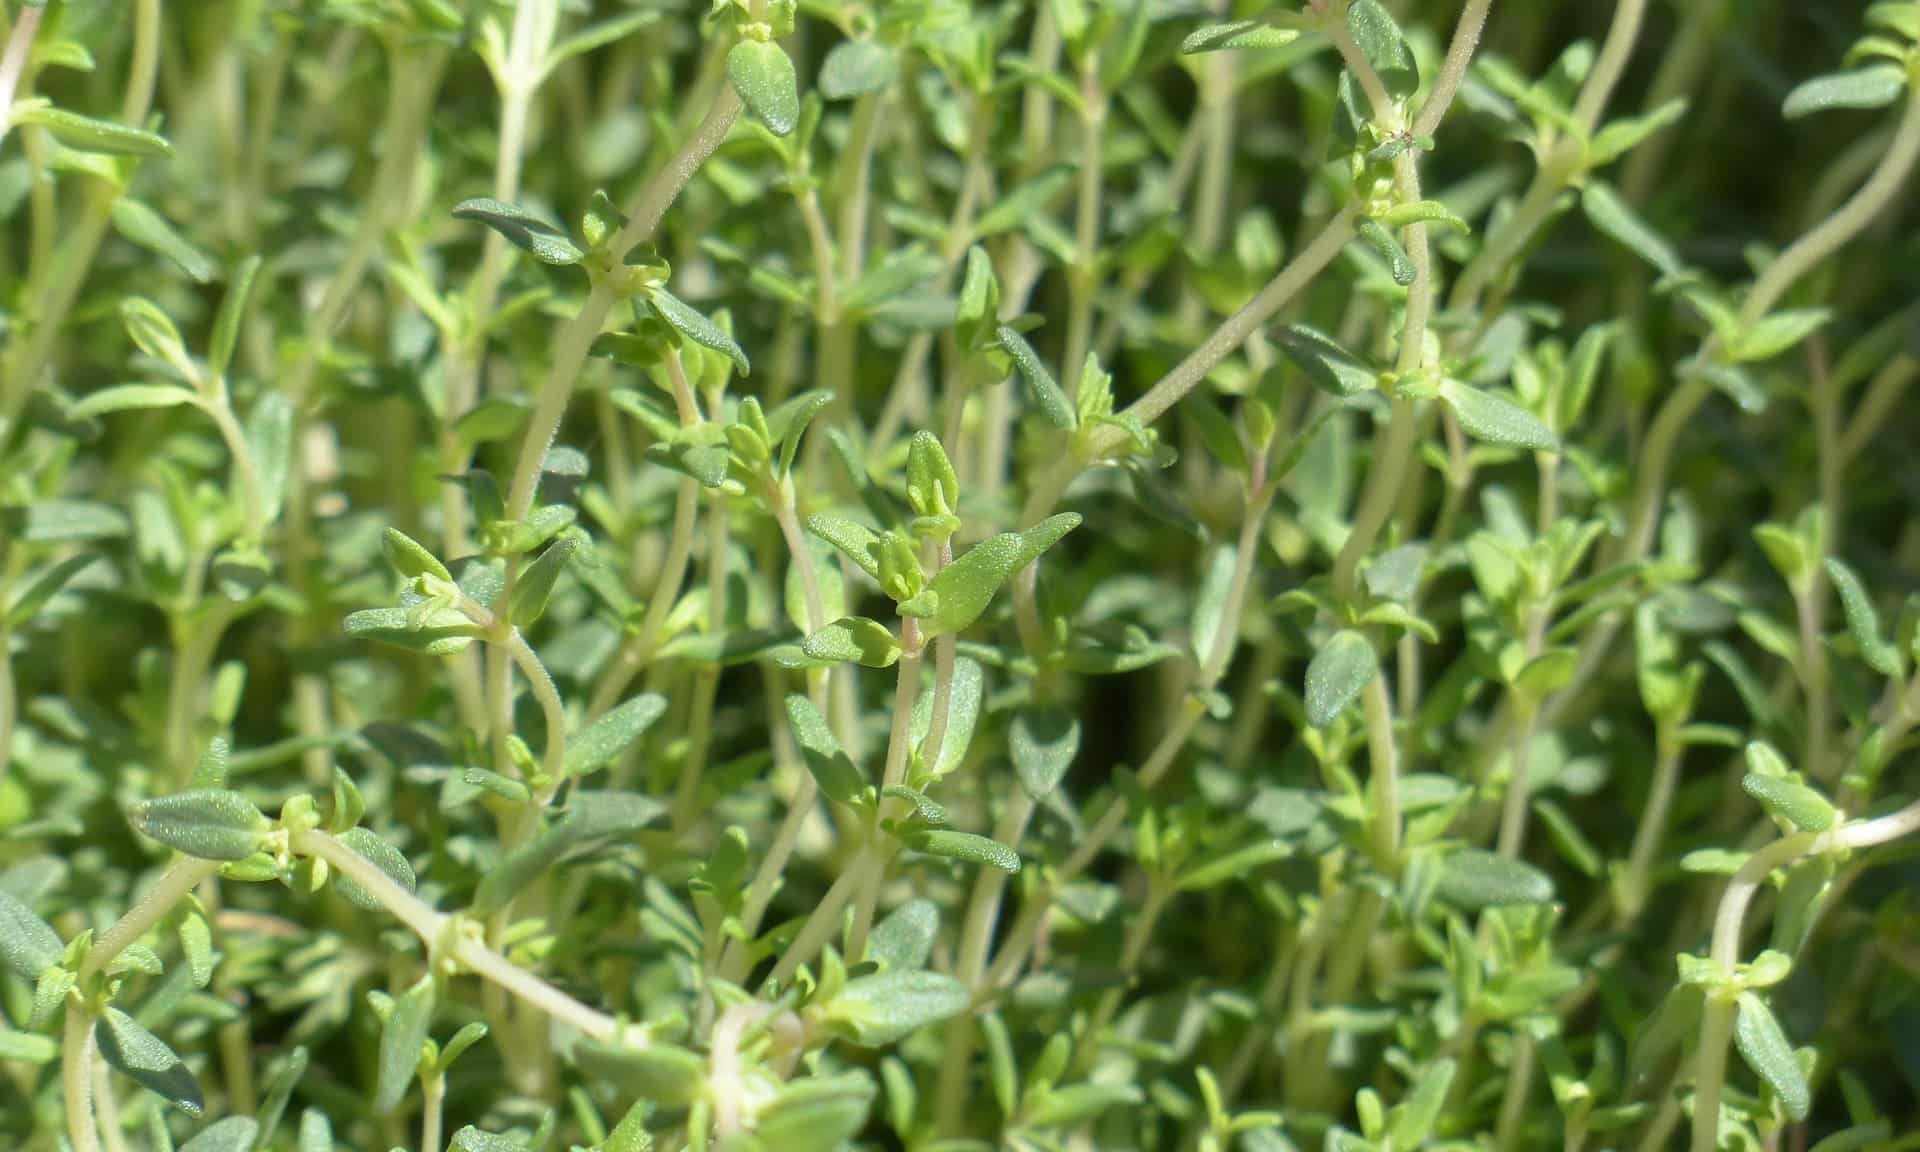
[[831, 769], [233, 1134], [212, 824], [887, 1007], [1331, 368], [1768, 1052], [1475, 879], [129, 1048], [597, 745], [529, 599], [381, 855], [855, 68], [1387, 247], [592, 818], [1874, 86], [816, 1115], [28, 944], [547, 244], [401, 1040], [1380, 40], [1047, 394], [1862, 621], [1611, 215], [965, 846], [1495, 419], [1337, 674], [763, 76], [150, 230], [45, 587], [1042, 743], [695, 326], [662, 1073]]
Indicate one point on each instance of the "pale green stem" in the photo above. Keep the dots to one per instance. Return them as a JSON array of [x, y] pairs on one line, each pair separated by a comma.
[[899, 744], [1081, 277], [819, 926], [13, 62], [554, 760]]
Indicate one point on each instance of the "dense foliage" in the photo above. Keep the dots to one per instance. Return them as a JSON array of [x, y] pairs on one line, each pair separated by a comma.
[[1087, 574]]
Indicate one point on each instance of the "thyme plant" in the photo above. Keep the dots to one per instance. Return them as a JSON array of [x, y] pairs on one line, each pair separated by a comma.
[[905, 574]]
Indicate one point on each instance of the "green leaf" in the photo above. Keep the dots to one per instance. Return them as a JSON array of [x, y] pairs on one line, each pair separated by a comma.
[[1078, 1103], [70, 521], [1795, 803], [1381, 41], [233, 310], [763, 76], [1387, 247], [591, 819], [1624, 135], [855, 68], [887, 1007], [966, 587], [904, 940], [836, 774], [132, 397], [439, 633], [150, 230], [44, 588], [965, 846], [1047, 394], [86, 134], [524, 230], [1412, 1120], [402, 1039], [381, 855], [854, 540], [1767, 1051], [1339, 671], [1237, 34], [1777, 332], [212, 823], [597, 745], [233, 1134], [596, 36], [1474, 879], [815, 1114], [132, 1050], [695, 326], [1862, 621], [1043, 743], [1493, 418], [28, 944], [856, 639], [529, 600], [1611, 215], [1331, 368], [270, 438], [1875, 86], [411, 558], [662, 1073], [27, 1048]]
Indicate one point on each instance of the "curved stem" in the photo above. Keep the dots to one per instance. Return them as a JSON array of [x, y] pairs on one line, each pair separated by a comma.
[[554, 761]]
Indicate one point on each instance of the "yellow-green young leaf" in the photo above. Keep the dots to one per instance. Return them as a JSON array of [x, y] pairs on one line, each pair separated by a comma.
[[233, 1134], [1862, 621], [670, 1077], [212, 824], [815, 1115], [763, 76], [881, 1009], [1078, 1103], [1412, 1120], [523, 229], [1775, 333], [1332, 368], [411, 558], [1473, 879], [904, 940], [1622, 136], [1573, 844], [1387, 247], [270, 438], [129, 1048], [28, 944], [153, 333], [530, 592], [381, 855], [1801, 900], [830, 766], [1042, 743], [1767, 1051], [439, 633], [150, 230], [196, 944], [471, 1139], [402, 1038], [27, 1047], [596, 746], [933, 489], [787, 423], [1337, 674], [86, 134], [695, 326], [1047, 395], [233, 310], [965, 846], [1797, 804], [1764, 760], [595, 36], [856, 639], [1875, 86], [855, 68], [1237, 34], [1035, 541], [1611, 215], [1215, 870], [316, 1132], [1493, 418], [1423, 212]]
